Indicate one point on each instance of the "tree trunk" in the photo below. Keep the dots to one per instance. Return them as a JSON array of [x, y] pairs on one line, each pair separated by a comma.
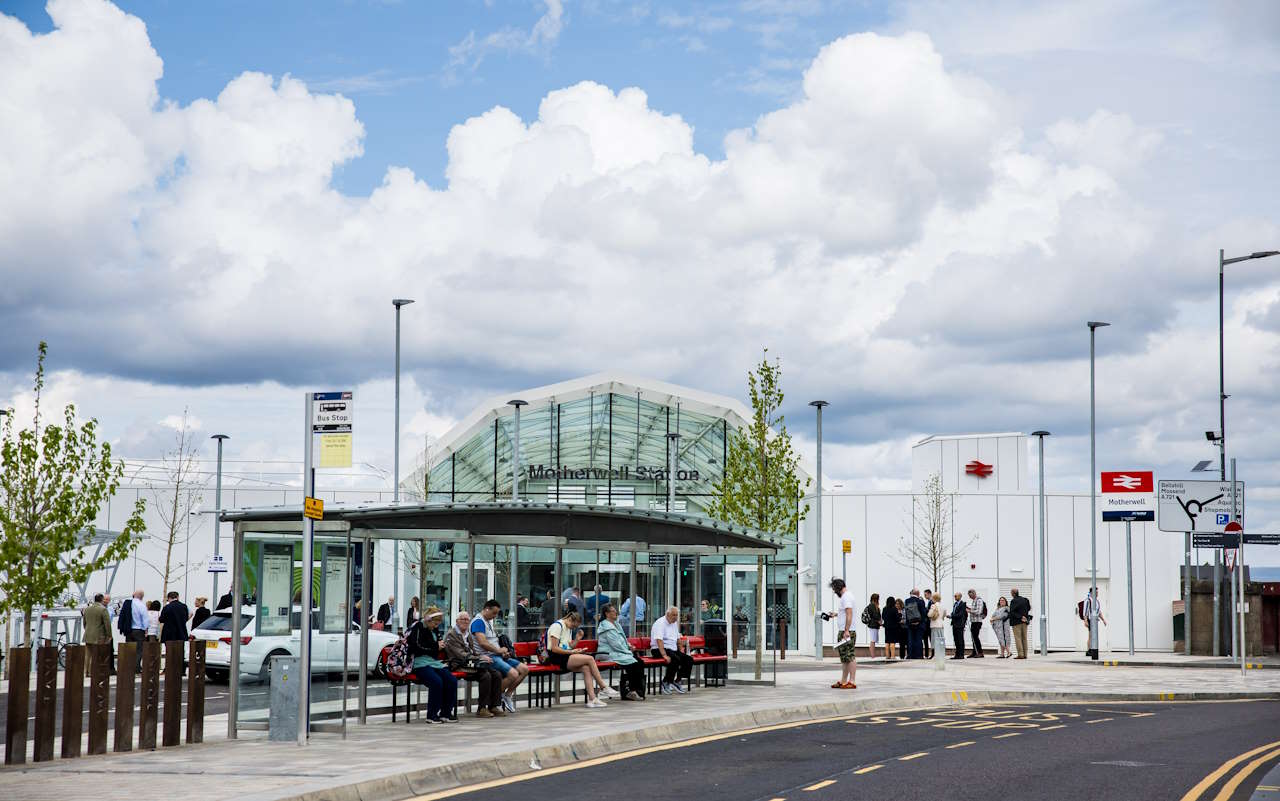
[[760, 626]]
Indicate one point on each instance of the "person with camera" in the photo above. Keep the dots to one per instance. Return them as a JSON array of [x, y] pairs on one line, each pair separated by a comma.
[[846, 636]]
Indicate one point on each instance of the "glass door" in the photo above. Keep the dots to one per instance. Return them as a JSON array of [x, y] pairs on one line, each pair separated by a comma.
[[743, 601], [481, 588]]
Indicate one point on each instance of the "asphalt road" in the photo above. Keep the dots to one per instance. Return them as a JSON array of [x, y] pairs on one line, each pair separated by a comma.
[[1071, 752]]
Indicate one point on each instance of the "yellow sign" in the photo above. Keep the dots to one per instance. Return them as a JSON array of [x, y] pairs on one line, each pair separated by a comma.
[[313, 508], [335, 450], [847, 545]]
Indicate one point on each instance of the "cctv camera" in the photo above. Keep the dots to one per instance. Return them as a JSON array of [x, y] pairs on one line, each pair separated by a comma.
[[1212, 436]]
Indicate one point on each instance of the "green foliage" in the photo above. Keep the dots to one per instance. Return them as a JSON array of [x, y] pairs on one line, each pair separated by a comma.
[[54, 480], [761, 485]]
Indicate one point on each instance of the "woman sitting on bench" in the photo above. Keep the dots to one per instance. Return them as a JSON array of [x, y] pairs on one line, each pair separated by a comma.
[[613, 647], [424, 649], [562, 654]]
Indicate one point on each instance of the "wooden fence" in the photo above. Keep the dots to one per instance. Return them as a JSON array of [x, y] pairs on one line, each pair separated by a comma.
[[97, 658]]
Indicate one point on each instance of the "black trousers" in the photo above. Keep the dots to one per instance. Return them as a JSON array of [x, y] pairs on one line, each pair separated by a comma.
[[957, 634], [632, 678], [490, 684], [681, 664], [974, 629], [138, 637]]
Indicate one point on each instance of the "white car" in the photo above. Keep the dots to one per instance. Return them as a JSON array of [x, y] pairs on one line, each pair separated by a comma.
[[256, 650]]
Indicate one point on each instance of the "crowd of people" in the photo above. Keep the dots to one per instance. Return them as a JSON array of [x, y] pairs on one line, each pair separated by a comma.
[[139, 620]]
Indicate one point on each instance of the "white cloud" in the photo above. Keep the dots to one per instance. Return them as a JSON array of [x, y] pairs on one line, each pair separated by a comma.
[[472, 50]]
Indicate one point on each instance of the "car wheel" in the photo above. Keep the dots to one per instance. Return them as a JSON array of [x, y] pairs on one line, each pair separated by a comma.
[[264, 672]]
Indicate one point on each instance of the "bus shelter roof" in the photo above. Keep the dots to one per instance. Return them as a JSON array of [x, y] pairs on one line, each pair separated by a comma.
[[527, 523]]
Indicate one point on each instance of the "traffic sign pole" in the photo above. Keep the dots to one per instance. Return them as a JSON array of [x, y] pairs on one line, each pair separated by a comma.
[[1235, 517], [1128, 549], [308, 537]]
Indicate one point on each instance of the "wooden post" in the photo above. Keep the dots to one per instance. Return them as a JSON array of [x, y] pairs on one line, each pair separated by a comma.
[[195, 693], [125, 661], [15, 729], [46, 701], [149, 695], [173, 654], [99, 696], [73, 701], [733, 635]]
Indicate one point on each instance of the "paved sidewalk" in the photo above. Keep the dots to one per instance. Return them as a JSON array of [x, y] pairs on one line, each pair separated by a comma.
[[390, 761]]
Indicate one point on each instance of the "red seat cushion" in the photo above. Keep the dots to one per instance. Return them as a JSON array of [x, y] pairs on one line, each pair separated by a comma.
[[525, 650]]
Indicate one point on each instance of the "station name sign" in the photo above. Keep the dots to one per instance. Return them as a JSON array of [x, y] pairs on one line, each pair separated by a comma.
[[542, 472]]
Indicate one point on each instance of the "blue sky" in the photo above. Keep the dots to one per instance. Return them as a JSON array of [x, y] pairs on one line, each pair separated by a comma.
[[717, 65]]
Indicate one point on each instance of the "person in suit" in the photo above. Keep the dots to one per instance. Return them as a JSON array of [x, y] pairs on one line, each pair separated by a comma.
[[524, 627], [133, 623], [97, 624], [387, 612], [412, 614], [173, 619], [959, 619], [225, 601], [928, 641]]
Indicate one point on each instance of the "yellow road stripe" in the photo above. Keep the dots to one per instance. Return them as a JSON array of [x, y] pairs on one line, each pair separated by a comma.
[[1051, 728], [1099, 720], [819, 785], [1268, 788], [961, 745], [1010, 734], [910, 757], [867, 769], [1229, 789], [1208, 781]]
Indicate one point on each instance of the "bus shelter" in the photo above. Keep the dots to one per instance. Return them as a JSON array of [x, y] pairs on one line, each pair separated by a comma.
[[635, 551]]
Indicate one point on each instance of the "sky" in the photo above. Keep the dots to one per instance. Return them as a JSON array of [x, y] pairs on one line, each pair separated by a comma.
[[915, 206]]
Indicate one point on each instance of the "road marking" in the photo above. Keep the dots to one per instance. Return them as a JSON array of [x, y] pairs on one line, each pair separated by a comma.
[[1010, 734], [910, 757], [1122, 712], [1051, 728], [961, 745], [819, 785], [1208, 781], [1268, 788], [1229, 789], [1099, 720], [867, 769]]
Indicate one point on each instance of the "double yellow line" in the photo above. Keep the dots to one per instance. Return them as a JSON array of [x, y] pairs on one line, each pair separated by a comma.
[[1260, 756]]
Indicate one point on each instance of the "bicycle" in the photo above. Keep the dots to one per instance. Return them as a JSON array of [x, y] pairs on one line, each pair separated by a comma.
[[60, 641]]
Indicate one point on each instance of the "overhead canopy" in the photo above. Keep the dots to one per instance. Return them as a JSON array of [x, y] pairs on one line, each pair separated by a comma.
[[572, 525]]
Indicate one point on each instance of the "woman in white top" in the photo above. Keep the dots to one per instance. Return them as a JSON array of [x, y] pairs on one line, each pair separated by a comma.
[[937, 633], [1000, 623], [562, 654], [153, 620]]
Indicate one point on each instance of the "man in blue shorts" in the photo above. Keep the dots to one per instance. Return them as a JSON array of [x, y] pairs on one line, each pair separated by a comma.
[[484, 642]]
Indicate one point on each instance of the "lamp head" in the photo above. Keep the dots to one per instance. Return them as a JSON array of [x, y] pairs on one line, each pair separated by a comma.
[[398, 302], [1262, 254], [517, 403], [819, 403], [220, 437], [1093, 324], [1039, 433]]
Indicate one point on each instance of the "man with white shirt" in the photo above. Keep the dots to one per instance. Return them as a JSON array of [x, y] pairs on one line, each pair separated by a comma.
[[665, 642], [846, 637]]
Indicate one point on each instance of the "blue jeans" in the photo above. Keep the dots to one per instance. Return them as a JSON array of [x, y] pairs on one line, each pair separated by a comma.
[[442, 690]]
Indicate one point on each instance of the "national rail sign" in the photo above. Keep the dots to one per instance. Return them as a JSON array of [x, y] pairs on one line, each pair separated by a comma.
[[1197, 506], [1128, 495]]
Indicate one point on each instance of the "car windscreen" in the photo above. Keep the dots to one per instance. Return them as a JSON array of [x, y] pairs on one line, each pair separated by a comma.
[[222, 622]]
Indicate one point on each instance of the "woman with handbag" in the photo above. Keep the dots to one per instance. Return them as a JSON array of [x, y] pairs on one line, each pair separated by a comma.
[[872, 619], [441, 684], [612, 646]]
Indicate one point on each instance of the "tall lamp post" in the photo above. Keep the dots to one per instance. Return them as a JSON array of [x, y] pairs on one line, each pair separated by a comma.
[[1044, 578], [1093, 495], [817, 543], [1223, 261], [217, 518], [395, 489], [515, 496]]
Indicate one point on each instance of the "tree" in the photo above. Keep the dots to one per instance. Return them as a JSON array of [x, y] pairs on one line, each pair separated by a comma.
[[931, 543], [54, 480], [176, 497], [761, 486]]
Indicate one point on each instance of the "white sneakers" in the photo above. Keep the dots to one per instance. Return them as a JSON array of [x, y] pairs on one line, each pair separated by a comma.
[[508, 703], [596, 704], [608, 692], [666, 689]]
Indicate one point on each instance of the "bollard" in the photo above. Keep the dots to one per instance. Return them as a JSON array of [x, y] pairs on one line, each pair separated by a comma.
[[99, 696], [125, 661], [149, 695], [195, 692], [46, 701], [73, 701], [172, 733], [15, 729]]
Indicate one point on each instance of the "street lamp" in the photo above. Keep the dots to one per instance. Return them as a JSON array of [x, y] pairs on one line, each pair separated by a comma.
[[1093, 496], [217, 517], [515, 496], [817, 543], [1044, 577], [395, 489]]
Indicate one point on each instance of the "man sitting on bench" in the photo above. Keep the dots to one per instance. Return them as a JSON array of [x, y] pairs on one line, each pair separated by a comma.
[[665, 642], [484, 642], [457, 651]]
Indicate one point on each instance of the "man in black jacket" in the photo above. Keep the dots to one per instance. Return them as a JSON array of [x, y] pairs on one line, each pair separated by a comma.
[[913, 613], [1019, 618], [524, 631], [173, 619], [959, 619], [387, 612]]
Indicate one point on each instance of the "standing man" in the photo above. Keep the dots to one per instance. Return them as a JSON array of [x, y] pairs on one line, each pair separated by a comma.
[[173, 619], [664, 640], [97, 625], [133, 624], [959, 618], [387, 612], [928, 641], [484, 643], [547, 612], [225, 601], [624, 614], [914, 614], [1020, 617], [977, 614], [846, 636], [524, 632]]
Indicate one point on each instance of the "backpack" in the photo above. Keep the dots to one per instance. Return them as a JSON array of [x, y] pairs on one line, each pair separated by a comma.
[[1080, 610], [913, 614], [544, 653], [125, 620], [397, 663], [866, 616]]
